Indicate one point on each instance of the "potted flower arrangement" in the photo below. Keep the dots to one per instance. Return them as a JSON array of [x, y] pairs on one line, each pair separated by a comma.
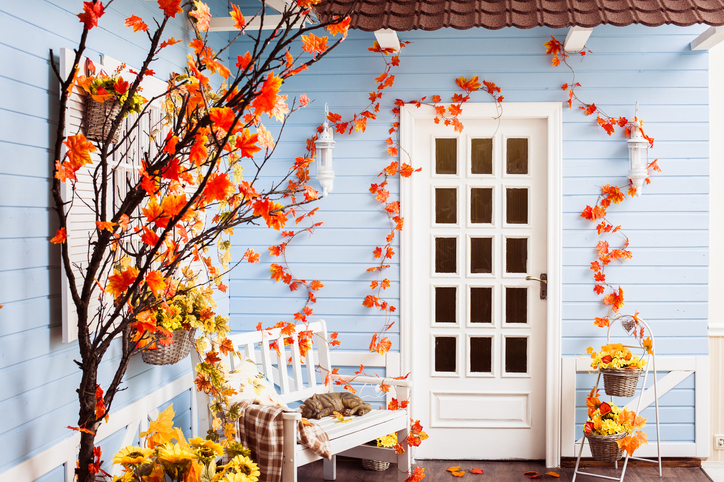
[[166, 455], [105, 96], [620, 368], [176, 321], [388, 441], [611, 431]]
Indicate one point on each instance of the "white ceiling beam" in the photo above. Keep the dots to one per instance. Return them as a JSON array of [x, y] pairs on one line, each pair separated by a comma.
[[387, 39], [576, 39], [278, 5], [227, 24], [711, 37]]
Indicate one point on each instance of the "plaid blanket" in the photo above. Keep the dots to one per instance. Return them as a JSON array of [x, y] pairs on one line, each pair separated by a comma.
[[260, 429]]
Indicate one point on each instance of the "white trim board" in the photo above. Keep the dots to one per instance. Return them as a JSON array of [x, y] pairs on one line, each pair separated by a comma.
[[552, 113]]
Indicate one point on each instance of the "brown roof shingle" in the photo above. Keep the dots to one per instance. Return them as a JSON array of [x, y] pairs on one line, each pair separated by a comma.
[[401, 15]]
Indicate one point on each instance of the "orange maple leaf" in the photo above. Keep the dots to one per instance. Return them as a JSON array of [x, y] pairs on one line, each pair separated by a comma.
[[313, 44], [247, 143], [198, 152], [468, 85], [120, 281], [60, 236], [156, 282], [277, 272], [239, 21], [340, 27], [267, 97], [615, 299], [170, 7], [222, 118], [107, 225], [172, 205], [137, 23], [218, 187], [384, 346], [476, 471], [251, 256], [91, 13], [79, 149]]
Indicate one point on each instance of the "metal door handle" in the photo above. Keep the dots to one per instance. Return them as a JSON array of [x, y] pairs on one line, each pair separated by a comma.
[[543, 280]]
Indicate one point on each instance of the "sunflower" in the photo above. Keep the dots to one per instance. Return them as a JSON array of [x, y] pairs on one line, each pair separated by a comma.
[[175, 455], [233, 477], [206, 450], [244, 465], [133, 456]]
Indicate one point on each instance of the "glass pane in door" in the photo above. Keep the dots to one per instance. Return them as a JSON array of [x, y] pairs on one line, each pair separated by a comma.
[[445, 302], [446, 156], [445, 354], [445, 255], [446, 205]]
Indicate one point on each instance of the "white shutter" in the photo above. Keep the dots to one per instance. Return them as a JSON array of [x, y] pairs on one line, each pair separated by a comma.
[[81, 219]]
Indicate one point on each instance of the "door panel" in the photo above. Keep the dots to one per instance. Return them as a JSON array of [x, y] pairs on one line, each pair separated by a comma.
[[479, 225]]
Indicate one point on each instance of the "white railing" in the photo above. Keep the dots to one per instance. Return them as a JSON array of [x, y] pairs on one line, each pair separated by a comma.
[[677, 369], [131, 418]]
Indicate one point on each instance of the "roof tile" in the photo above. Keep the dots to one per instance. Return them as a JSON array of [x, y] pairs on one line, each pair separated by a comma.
[[402, 15]]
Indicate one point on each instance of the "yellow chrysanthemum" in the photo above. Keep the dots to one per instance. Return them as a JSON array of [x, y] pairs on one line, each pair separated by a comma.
[[244, 465], [237, 477], [388, 440], [133, 456]]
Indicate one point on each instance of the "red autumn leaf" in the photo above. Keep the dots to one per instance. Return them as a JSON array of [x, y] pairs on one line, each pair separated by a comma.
[[476, 471], [137, 23], [170, 7], [341, 27], [198, 150], [247, 143], [468, 85], [251, 256], [91, 13], [267, 97], [590, 109], [599, 289], [222, 117], [243, 61], [218, 187], [149, 237], [60, 236], [172, 205], [614, 299]]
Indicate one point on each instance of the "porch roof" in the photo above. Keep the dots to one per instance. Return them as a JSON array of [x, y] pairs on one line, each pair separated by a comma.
[[402, 15]]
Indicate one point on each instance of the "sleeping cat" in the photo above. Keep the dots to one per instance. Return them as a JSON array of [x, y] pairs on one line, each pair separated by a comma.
[[323, 404]]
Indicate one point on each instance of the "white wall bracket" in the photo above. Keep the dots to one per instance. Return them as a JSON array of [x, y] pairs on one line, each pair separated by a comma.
[[387, 38], [711, 37], [576, 39]]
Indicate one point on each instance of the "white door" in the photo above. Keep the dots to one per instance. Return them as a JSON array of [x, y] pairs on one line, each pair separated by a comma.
[[478, 227]]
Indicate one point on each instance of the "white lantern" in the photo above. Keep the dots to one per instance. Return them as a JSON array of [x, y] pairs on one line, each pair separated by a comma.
[[638, 158], [325, 146]]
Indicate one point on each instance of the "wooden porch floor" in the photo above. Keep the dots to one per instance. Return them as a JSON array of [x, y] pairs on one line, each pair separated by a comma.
[[350, 470]]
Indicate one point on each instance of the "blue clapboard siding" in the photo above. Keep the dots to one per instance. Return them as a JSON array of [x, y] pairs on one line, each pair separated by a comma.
[[37, 371], [666, 281]]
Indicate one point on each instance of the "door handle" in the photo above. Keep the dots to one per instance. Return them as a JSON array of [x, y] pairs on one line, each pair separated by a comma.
[[543, 280]]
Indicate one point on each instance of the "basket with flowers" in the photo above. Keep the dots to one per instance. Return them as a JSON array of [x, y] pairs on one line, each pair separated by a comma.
[[620, 368], [166, 455], [176, 321], [105, 96], [611, 431], [388, 441]]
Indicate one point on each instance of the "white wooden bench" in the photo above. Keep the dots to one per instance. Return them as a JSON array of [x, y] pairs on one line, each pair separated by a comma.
[[346, 439]]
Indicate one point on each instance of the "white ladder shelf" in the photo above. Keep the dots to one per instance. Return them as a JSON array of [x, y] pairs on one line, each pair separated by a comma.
[[629, 325]]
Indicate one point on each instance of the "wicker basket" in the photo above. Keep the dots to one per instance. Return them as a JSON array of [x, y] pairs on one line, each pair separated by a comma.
[[377, 465], [99, 116], [173, 353], [604, 447], [620, 382]]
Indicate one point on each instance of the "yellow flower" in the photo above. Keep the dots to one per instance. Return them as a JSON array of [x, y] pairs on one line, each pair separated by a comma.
[[388, 440], [244, 466], [234, 477], [175, 455], [206, 450], [133, 456]]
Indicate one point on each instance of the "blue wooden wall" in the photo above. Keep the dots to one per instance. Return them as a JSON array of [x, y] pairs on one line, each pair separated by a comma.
[[37, 373], [666, 281]]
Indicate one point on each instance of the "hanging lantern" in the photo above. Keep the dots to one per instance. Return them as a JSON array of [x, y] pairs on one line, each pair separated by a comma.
[[325, 146], [637, 155]]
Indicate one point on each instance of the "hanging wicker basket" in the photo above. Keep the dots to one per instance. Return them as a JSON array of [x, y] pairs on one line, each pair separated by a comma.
[[620, 382], [170, 354], [99, 117], [604, 447], [377, 465]]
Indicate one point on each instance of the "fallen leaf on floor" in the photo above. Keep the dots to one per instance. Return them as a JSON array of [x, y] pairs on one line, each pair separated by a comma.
[[477, 471], [530, 472], [536, 476], [459, 473], [453, 469], [553, 474]]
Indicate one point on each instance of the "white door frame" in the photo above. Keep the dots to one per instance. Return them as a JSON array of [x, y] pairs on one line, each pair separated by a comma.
[[552, 113]]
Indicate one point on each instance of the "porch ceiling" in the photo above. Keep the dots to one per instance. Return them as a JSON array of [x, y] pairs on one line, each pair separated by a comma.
[[402, 15]]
